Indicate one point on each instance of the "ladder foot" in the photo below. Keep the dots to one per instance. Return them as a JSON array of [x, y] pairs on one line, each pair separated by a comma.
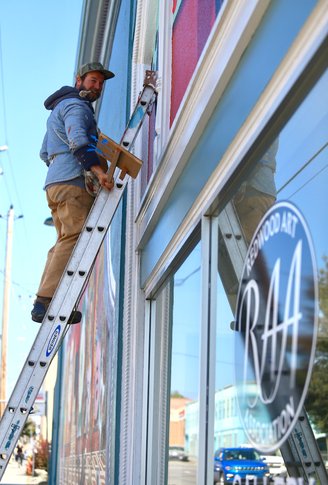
[[75, 317]]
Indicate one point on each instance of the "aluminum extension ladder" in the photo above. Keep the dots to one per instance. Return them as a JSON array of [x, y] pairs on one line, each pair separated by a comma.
[[300, 452], [70, 288]]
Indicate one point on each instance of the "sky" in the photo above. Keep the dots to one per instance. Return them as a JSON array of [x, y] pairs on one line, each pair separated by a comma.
[[38, 51]]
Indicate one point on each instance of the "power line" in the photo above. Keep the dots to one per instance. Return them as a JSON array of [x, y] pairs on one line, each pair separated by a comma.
[[7, 151], [19, 285], [3, 95], [6, 186], [303, 167], [3, 89], [13, 180], [309, 180]]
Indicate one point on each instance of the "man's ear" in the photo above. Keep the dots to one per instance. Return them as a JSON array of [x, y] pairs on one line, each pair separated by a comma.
[[78, 82]]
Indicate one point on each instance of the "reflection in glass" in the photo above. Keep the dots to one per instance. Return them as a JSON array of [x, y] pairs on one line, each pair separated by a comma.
[[316, 402], [257, 193], [296, 171], [184, 385]]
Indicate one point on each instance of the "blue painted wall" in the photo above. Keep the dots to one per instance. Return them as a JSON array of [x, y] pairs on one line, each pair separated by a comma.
[[112, 119], [115, 106]]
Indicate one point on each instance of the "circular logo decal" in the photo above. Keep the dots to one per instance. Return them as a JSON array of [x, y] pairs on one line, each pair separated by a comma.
[[276, 326]]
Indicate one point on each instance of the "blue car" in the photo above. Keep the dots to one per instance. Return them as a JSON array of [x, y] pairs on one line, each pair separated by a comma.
[[244, 462]]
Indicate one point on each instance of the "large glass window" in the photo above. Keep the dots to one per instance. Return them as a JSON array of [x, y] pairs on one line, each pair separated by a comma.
[[294, 168], [184, 371]]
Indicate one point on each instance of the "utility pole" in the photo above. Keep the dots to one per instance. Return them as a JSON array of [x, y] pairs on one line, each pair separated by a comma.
[[5, 308]]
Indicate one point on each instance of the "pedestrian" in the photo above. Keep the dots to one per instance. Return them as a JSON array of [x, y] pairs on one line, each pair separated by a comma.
[[19, 454], [69, 149]]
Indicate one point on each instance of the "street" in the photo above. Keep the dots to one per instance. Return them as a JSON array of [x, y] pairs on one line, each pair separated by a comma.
[[182, 473], [15, 475]]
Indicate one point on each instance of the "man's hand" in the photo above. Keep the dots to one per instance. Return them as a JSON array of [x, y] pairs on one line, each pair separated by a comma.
[[102, 177]]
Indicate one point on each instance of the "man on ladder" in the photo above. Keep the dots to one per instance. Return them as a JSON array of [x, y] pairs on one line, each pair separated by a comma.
[[68, 150], [60, 312]]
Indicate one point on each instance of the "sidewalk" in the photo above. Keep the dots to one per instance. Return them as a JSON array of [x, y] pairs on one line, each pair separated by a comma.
[[15, 475]]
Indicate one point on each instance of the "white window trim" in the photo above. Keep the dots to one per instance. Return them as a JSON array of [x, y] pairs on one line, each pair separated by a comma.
[[233, 30], [145, 31], [209, 244], [141, 60], [157, 397], [147, 377], [294, 64], [156, 369], [164, 76], [142, 57], [138, 313]]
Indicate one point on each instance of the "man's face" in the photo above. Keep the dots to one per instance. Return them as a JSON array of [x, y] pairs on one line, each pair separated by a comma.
[[93, 83]]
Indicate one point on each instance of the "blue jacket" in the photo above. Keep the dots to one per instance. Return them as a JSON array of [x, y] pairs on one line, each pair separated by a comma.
[[70, 126]]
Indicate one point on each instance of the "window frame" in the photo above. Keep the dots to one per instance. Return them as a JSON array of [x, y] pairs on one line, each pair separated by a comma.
[[281, 96]]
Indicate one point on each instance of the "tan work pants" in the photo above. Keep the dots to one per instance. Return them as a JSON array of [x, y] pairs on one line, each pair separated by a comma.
[[70, 206], [250, 211]]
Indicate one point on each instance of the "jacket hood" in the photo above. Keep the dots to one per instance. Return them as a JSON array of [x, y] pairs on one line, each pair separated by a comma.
[[62, 93]]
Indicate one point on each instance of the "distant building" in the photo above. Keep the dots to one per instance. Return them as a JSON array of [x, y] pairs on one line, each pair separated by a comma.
[[228, 430], [178, 421]]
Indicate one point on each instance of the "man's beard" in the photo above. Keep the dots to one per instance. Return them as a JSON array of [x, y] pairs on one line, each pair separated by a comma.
[[89, 94]]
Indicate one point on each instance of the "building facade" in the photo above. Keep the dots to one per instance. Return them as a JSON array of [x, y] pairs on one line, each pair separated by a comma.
[[211, 286]]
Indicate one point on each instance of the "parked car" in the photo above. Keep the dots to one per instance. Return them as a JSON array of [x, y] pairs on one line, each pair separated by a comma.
[[276, 465], [244, 462], [178, 453]]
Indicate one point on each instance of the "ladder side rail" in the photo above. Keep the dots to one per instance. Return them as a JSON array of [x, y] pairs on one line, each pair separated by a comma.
[[83, 240], [75, 282], [27, 389], [307, 449], [46, 330], [87, 259], [233, 238], [144, 103], [290, 456]]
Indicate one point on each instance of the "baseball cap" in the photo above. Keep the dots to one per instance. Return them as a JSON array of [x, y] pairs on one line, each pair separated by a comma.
[[94, 66]]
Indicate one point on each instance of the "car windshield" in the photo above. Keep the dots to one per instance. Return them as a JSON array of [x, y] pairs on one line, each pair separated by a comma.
[[241, 455]]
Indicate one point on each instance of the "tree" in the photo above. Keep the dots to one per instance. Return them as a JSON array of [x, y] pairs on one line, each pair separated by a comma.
[[317, 397], [29, 428], [176, 394], [42, 455]]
